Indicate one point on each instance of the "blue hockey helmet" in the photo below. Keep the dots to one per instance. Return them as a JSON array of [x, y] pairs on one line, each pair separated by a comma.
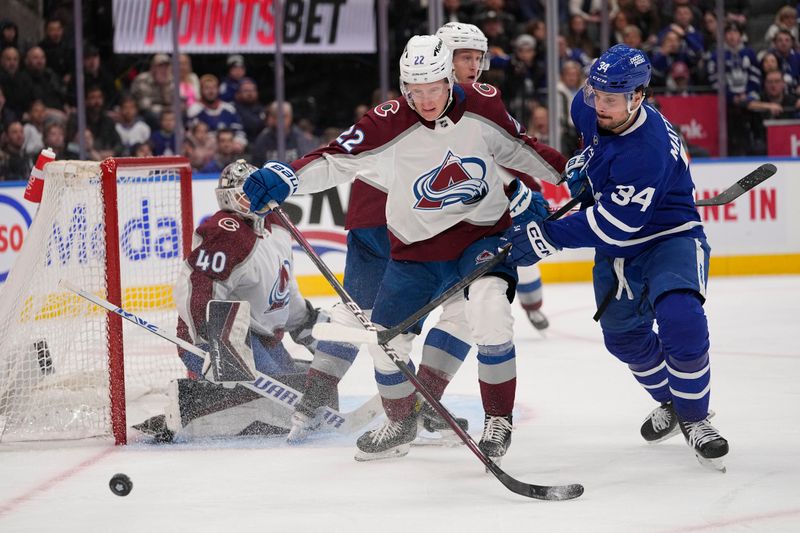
[[621, 69]]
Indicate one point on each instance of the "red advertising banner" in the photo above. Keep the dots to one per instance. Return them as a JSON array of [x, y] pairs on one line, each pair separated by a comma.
[[239, 26], [783, 137], [696, 115]]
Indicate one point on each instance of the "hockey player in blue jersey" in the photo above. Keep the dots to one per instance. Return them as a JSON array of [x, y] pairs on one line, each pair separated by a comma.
[[651, 262]]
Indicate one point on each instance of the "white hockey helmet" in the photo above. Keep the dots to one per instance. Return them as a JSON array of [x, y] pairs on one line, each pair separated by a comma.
[[460, 36], [231, 196], [426, 59]]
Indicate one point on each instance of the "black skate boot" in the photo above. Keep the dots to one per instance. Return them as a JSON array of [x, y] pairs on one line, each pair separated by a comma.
[[306, 419], [708, 445], [431, 422], [538, 319], [661, 424], [392, 439], [496, 437]]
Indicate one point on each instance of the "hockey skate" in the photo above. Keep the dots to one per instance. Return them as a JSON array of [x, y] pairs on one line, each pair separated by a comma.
[[496, 437], [392, 439], [306, 417], [708, 445], [538, 319], [660, 424], [437, 432]]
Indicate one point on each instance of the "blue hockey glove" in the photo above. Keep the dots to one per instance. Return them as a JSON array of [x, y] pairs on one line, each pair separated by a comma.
[[577, 180], [275, 181], [530, 243], [524, 200]]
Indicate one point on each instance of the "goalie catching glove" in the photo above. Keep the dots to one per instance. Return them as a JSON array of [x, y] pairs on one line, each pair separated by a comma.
[[529, 241]]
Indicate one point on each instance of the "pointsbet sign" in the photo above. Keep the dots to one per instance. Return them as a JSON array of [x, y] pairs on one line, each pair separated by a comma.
[[244, 26]]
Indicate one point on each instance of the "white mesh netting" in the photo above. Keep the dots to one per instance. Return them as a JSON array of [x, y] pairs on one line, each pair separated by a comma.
[[54, 365]]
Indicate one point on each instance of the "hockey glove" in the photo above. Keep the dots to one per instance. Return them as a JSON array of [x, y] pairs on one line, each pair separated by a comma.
[[524, 202], [302, 334], [530, 243], [577, 180], [274, 182]]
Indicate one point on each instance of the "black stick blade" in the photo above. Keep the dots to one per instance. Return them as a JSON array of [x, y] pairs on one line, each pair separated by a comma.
[[748, 182], [537, 492]]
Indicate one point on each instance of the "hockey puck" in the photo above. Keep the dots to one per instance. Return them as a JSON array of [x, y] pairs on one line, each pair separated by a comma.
[[120, 484]]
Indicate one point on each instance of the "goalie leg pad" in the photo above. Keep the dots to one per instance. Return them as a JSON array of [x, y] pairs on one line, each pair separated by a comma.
[[228, 329]]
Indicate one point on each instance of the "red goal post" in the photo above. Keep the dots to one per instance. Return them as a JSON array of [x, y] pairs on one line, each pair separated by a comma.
[[119, 228]]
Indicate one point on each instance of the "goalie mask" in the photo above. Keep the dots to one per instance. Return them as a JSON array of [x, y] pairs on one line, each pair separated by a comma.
[[426, 59], [231, 196], [460, 36]]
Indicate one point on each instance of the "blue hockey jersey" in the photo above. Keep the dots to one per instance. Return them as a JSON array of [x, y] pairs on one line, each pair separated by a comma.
[[641, 184]]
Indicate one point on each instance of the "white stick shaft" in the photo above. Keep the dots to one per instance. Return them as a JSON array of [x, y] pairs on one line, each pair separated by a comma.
[[105, 304]]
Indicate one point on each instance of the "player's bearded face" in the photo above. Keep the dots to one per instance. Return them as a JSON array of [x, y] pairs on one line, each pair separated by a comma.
[[613, 109], [429, 99], [466, 65]]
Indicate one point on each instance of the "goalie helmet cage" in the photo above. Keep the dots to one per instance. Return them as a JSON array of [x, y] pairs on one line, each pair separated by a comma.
[[119, 228]]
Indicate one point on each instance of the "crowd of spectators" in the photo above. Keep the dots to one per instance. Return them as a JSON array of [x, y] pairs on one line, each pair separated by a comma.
[[224, 116]]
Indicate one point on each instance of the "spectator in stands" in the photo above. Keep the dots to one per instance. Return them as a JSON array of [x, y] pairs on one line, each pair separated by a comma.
[[73, 148], [642, 15], [785, 19], [142, 150], [34, 128], [578, 36], [679, 79], [227, 152], [774, 101], [491, 24], [265, 146], [216, 113], [105, 139], [95, 73], [618, 25], [538, 123], [525, 77], [328, 136], [203, 145], [565, 53], [9, 34], [632, 36], [190, 83], [153, 89], [55, 138], [456, 11], [251, 111], [359, 111], [16, 87], [662, 58], [742, 79], [15, 164], [692, 45], [7, 115], [230, 83], [709, 30], [46, 84], [132, 130], [570, 82], [769, 62], [162, 139], [788, 58], [59, 52]]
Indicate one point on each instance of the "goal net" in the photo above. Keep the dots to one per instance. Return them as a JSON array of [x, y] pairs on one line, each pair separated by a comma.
[[119, 229]]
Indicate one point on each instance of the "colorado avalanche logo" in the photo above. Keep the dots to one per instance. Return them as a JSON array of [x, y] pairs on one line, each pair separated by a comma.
[[279, 294], [453, 182]]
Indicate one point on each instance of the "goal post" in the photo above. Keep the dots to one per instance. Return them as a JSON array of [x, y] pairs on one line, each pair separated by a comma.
[[119, 228]]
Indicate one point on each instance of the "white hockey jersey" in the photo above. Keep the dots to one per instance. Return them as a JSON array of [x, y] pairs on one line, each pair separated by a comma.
[[442, 178], [230, 262]]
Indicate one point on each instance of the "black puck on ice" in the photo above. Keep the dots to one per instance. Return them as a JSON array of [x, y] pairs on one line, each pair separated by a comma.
[[120, 484]]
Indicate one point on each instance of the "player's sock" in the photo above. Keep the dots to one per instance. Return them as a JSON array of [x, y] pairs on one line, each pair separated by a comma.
[[497, 375], [529, 292]]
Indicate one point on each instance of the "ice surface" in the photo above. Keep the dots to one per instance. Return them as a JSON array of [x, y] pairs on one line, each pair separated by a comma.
[[577, 420]]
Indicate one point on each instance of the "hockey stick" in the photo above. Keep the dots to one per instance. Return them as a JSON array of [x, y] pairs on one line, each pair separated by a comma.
[[264, 385], [335, 332], [748, 182], [541, 492]]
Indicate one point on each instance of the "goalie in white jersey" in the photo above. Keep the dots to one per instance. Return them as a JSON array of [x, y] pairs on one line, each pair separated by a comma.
[[436, 155], [239, 257]]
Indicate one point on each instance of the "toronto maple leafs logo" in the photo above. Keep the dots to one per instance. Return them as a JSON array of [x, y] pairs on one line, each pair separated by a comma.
[[457, 180], [279, 294]]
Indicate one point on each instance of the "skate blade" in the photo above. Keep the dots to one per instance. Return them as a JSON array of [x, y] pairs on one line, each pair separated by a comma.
[[445, 439], [397, 451], [715, 465]]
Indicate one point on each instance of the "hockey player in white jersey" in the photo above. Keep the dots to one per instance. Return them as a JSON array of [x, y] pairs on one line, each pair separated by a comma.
[[651, 254], [470, 58], [435, 154], [238, 256]]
